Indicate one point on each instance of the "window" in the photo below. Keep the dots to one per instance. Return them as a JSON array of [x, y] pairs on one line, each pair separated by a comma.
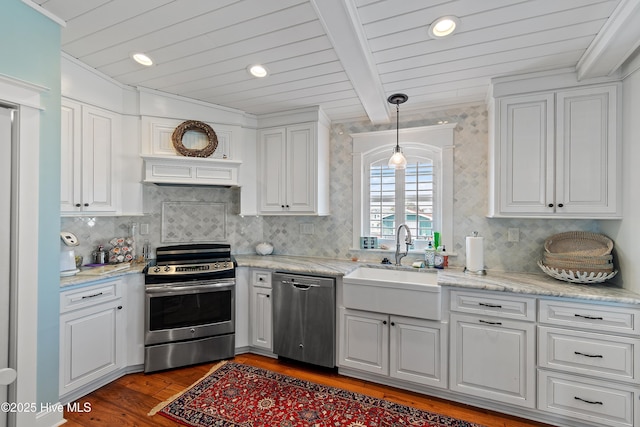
[[419, 196], [408, 191]]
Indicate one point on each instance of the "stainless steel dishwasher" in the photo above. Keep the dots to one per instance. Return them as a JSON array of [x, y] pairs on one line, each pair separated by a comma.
[[304, 318]]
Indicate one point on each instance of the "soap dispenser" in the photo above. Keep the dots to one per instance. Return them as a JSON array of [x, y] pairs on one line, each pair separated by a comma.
[[430, 254]]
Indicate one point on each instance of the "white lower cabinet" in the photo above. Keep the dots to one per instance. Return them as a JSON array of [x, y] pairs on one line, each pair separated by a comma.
[[589, 362], [492, 347], [404, 348], [92, 334], [493, 358], [583, 398], [260, 310]]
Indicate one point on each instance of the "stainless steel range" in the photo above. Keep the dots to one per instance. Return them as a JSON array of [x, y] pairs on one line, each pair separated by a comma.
[[189, 306]]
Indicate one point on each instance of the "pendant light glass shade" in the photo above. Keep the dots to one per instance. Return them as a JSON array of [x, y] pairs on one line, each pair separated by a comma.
[[397, 160]]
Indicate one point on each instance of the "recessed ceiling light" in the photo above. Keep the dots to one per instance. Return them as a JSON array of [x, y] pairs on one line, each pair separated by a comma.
[[142, 59], [443, 26], [257, 70]]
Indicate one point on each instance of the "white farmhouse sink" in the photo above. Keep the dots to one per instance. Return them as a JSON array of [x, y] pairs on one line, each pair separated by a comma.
[[401, 292]]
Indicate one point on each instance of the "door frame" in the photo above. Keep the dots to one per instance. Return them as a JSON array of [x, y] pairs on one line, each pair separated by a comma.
[[24, 212]]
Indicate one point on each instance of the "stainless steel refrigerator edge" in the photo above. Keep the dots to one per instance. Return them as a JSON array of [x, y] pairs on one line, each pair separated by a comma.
[[304, 318]]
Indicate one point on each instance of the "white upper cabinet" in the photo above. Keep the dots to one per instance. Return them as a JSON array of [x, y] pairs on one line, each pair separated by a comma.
[[89, 143], [556, 154], [294, 170]]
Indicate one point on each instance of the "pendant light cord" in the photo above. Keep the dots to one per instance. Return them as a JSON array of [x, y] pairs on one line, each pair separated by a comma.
[[397, 127]]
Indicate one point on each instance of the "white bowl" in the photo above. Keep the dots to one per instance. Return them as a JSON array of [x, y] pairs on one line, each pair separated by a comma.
[[264, 248]]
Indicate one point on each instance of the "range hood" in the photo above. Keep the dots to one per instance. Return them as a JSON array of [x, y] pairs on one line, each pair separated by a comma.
[[174, 170]]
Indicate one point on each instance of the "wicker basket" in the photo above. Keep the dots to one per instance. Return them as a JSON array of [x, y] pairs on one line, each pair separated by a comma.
[[604, 259], [579, 243], [582, 263]]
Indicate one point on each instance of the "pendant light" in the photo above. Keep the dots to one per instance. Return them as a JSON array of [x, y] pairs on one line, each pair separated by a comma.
[[397, 160]]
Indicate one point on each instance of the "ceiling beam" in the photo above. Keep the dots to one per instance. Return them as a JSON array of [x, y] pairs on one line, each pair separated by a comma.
[[618, 39], [342, 25]]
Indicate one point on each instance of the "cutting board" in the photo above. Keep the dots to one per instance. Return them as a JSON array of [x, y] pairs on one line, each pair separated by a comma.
[[105, 269]]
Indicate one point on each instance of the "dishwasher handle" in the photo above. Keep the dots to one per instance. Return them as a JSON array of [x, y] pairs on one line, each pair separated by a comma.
[[297, 285]]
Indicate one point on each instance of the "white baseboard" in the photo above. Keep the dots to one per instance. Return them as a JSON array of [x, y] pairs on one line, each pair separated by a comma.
[[51, 418]]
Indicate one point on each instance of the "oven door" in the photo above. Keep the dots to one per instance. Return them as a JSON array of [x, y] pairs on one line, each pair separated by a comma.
[[191, 310]]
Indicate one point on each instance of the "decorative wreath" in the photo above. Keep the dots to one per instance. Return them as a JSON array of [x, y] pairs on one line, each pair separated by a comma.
[[197, 126]]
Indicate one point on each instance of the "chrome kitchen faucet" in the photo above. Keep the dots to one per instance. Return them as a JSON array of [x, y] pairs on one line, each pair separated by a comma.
[[407, 240]]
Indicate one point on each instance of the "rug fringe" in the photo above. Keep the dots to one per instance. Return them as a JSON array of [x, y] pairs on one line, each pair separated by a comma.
[[164, 403]]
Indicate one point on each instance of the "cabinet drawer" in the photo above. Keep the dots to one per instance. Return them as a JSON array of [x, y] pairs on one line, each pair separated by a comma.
[[587, 399], [261, 278], [604, 356], [90, 295], [492, 304], [593, 317]]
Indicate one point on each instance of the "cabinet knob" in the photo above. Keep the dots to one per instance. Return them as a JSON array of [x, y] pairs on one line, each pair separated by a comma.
[[78, 205], [282, 206], [287, 206], [550, 205], [119, 307], [560, 205], [86, 204], [384, 322], [268, 296], [393, 323]]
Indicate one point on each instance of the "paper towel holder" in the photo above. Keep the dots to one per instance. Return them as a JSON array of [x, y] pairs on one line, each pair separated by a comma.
[[481, 272]]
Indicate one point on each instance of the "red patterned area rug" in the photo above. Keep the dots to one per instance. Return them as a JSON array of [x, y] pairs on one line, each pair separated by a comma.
[[241, 395]]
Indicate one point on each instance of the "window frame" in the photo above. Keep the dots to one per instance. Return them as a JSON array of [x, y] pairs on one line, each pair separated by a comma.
[[433, 142]]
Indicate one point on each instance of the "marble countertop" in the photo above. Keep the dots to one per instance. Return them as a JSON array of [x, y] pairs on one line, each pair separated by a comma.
[[86, 275], [298, 264], [523, 283]]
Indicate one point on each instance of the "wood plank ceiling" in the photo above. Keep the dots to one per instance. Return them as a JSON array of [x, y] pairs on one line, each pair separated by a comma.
[[345, 55]]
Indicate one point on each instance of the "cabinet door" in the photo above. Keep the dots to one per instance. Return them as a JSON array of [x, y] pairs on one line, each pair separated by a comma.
[[365, 341], [587, 151], [526, 155], [91, 344], [273, 170], [261, 322], [70, 157], [418, 351], [100, 129], [301, 168], [493, 358]]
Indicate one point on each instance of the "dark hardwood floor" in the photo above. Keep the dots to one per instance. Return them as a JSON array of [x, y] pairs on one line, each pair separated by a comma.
[[127, 401]]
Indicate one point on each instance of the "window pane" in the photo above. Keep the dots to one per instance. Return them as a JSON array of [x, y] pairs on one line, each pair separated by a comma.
[[382, 200], [418, 199]]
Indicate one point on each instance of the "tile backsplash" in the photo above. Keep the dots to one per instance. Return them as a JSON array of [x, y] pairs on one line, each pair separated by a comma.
[[331, 236]]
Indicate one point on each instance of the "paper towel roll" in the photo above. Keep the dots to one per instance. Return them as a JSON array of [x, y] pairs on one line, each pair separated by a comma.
[[475, 253]]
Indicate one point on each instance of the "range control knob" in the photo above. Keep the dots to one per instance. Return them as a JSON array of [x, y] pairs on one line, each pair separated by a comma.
[[167, 268], [156, 270]]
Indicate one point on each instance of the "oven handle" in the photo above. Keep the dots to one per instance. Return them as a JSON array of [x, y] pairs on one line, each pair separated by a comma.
[[173, 289]]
